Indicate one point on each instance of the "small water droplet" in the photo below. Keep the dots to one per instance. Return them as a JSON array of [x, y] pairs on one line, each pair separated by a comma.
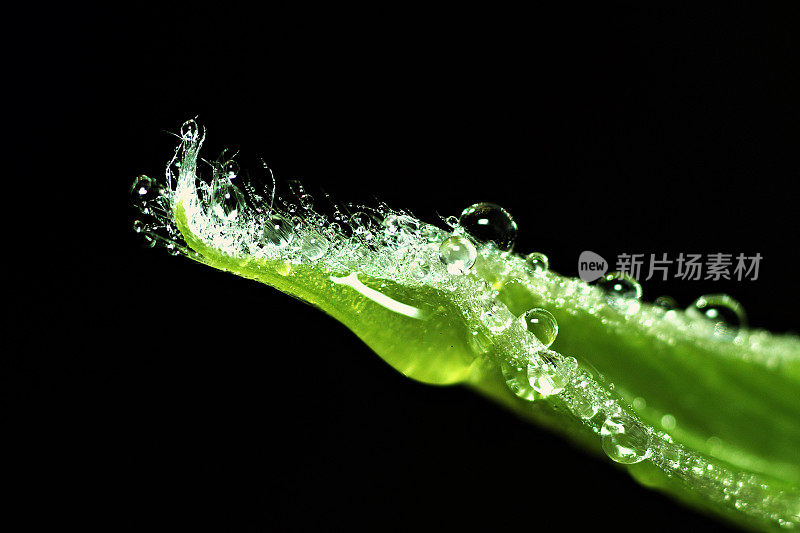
[[226, 200], [144, 192], [190, 131], [537, 262], [139, 226], [457, 254], [314, 246], [230, 169], [541, 323], [666, 302], [278, 231], [487, 222], [726, 314], [625, 439]]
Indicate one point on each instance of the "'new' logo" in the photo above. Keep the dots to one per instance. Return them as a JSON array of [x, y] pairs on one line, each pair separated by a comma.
[[591, 266]]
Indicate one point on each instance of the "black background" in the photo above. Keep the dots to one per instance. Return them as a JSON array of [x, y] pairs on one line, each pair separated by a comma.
[[144, 391]]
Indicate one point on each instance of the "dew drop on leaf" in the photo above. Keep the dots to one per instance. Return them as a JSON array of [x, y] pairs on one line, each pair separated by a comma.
[[620, 285], [726, 314], [541, 323], [624, 439], [537, 262], [486, 222]]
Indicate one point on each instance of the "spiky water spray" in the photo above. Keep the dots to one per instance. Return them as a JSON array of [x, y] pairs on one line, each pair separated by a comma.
[[453, 304]]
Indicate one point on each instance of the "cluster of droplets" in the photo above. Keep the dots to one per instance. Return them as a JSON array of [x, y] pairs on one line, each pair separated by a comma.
[[389, 241], [722, 313]]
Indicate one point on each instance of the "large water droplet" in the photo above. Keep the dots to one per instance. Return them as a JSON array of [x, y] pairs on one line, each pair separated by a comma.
[[541, 323], [487, 222], [620, 285], [314, 246], [278, 231], [457, 254], [726, 314], [622, 291], [546, 375], [227, 201], [537, 262], [625, 439], [190, 131]]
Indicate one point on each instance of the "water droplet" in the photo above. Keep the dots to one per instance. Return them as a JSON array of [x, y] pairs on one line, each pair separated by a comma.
[[190, 131], [620, 285], [230, 169], [278, 231], [537, 262], [517, 381], [666, 302], [314, 246], [546, 375], [457, 254], [226, 200], [144, 192], [139, 226], [487, 222], [726, 314], [625, 439], [541, 323]]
